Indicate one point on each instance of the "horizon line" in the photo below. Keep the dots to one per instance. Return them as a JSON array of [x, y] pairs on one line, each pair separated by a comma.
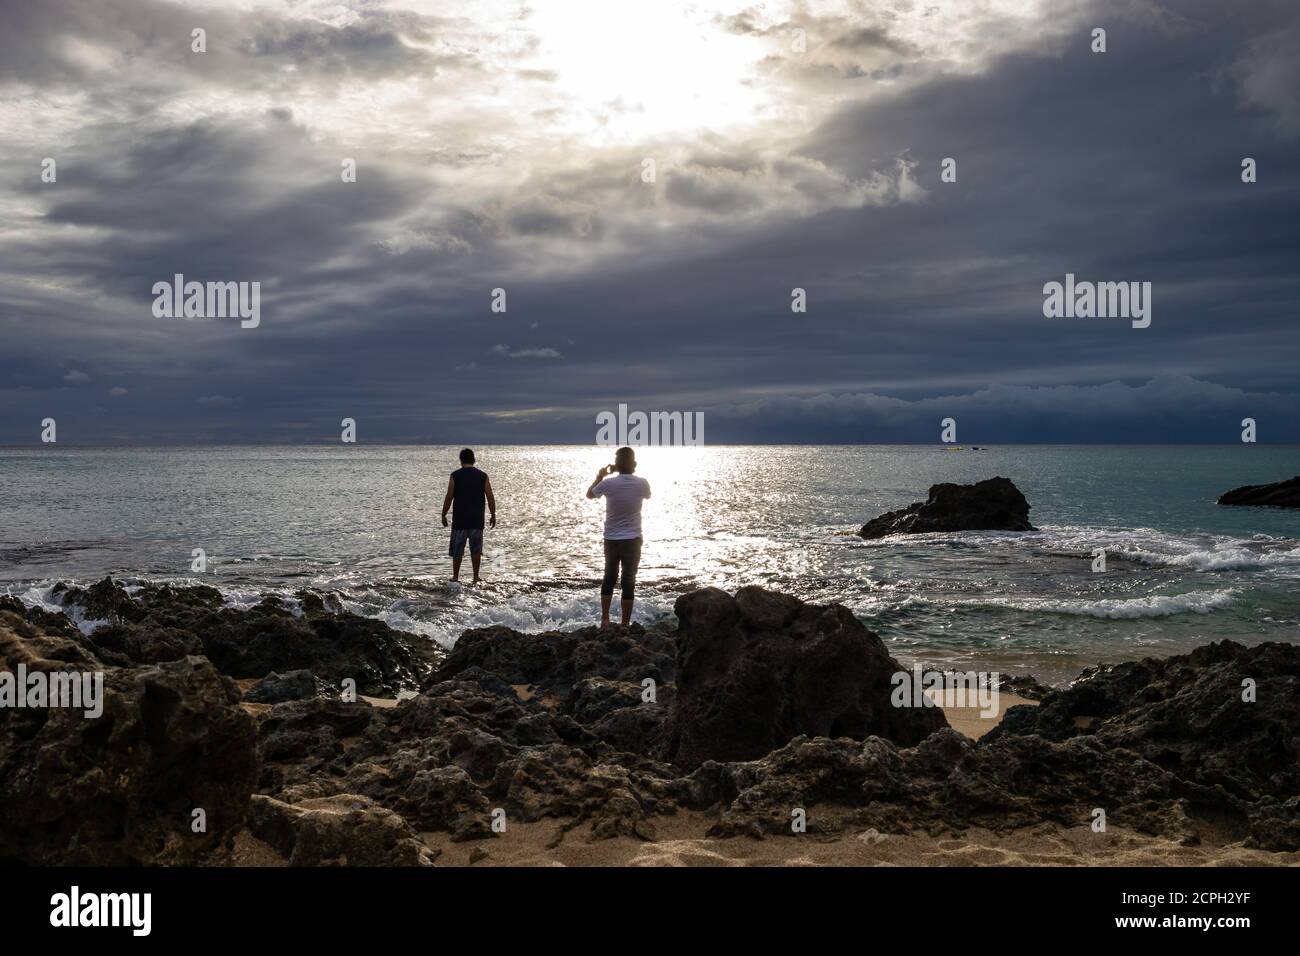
[[560, 444]]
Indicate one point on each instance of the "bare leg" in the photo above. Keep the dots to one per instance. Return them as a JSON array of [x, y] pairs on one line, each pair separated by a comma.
[[631, 561], [455, 567], [474, 559], [607, 582]]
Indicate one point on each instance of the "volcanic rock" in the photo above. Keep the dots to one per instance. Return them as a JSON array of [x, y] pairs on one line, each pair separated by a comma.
[[761, 705], [1279, 494], [344, 830], [120, 788], [1187, 714], [994, 504], [160, 622], [758, 669], [554, 661], [292, 685]]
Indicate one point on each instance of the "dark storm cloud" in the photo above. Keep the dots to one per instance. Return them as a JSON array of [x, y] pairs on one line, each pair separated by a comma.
[[925, 298]]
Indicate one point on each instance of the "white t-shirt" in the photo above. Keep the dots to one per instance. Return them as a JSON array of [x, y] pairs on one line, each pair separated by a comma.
[[623, 495]]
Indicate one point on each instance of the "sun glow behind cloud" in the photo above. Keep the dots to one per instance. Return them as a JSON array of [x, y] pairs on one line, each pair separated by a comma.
[[599, 74], [501, 142], [628, 70]]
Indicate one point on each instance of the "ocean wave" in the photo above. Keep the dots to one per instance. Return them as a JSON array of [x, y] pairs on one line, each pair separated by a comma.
[[41, 596], [452, 610], [1146, 546], [1225, 556], [1189, 551], [530, 613], [1156, 605]]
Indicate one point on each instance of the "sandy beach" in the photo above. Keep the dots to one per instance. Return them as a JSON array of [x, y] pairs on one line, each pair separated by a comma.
[[680, 841]]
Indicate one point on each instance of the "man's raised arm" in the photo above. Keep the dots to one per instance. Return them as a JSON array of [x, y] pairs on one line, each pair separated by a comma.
[[600, 476]]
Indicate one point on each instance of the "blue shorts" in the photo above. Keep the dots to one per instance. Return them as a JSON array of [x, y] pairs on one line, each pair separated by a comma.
[[458, 538]]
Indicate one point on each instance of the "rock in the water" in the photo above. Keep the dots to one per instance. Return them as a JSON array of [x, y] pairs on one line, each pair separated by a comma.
[[121, 788], [760, 668], [1279, 494], [994, 504]]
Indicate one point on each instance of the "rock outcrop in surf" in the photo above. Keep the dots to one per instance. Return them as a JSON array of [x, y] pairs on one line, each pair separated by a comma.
[[994, 504], [159, 622], [1279, 494]]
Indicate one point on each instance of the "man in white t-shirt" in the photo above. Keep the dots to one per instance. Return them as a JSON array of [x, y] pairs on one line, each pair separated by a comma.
[[623, 494]]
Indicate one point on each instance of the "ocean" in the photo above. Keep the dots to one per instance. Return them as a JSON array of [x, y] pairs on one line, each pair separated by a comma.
[[363, 522]]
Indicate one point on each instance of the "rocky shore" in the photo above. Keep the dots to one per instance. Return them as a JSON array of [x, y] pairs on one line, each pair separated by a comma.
[[749, 711], [1277, 494]]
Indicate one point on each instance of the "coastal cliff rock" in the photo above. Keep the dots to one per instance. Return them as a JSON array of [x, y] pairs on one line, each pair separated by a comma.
[[758, 669], [120, 788], [994, 504], [1279, 494]]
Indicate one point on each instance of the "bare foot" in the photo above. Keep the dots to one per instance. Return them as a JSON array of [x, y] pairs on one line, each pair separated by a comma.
[[604, 624], [475, 581]]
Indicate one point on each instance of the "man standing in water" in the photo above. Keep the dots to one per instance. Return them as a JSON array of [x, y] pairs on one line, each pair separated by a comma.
[[468, 488], [623, 495]]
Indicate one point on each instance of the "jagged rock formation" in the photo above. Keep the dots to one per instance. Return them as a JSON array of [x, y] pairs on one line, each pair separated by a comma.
[[757, 704], [760, 668], [161, 622], [1279, 494], [994, 504], [121, 788]]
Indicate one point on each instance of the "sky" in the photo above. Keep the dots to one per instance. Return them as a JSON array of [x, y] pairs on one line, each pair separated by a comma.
[[648, 183]]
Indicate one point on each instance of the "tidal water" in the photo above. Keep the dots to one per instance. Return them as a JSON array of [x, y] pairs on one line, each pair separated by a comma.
[[363, 521]]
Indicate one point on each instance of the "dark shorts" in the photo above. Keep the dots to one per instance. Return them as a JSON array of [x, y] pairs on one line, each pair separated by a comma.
[[461, 535], [626, 555]]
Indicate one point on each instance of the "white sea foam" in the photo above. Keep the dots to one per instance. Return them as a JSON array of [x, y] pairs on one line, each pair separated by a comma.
[[244, 598], [1192, 552], [531, 612], [528, 613], [41, 596], [1156, 605], [1221, 556]]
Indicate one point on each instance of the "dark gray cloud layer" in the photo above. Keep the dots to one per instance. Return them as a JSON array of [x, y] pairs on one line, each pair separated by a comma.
[[924, 297]]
